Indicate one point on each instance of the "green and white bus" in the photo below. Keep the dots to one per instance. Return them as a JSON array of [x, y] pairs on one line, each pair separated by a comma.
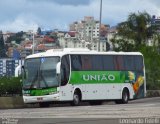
[[76, 75]]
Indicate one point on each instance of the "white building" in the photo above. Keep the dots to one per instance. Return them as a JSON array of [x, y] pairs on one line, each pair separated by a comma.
[[87, 28], [84, 34], [73, 41]]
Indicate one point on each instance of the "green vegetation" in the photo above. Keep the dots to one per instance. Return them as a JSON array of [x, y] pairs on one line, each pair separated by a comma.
[[133, 35], [39, 31], [18, 37], [10, 86], [152, 63], [2, 46]]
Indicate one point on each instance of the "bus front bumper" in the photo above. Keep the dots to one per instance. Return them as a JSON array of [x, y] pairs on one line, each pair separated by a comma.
[[37, 99]]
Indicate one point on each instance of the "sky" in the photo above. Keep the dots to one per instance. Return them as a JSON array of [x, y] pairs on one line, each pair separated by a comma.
[[24, 15]]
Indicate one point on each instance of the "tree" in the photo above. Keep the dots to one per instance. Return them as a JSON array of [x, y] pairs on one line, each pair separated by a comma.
[[136, 30], [122, 45], [39, 31], [2, 46], [139, 25], [152, 67], [18, 37]]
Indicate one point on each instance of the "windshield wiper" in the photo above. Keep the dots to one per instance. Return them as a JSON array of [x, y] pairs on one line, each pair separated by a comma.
[[43, 79], [34, 80]]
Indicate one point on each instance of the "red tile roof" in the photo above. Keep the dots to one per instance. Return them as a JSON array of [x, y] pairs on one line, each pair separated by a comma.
[[48, 39], [72, 33]]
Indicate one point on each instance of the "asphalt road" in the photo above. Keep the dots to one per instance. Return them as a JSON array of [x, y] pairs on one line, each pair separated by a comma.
[[143, 110]]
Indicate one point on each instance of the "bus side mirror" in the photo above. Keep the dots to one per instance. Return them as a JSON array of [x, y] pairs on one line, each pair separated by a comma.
[[22, 66], [58, 68], [58, 71], [18, 71]]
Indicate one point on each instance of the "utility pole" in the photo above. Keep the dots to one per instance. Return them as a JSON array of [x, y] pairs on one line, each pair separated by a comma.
[[33, 43], [100, 25]]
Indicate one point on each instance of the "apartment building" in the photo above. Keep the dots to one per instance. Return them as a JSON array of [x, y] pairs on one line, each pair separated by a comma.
[[85, 34]]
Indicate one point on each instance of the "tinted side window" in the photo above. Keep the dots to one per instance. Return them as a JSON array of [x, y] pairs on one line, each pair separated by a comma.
[[108, 62], [76, 62], [138, 63], [65, 70], [119, 62], [129, 63], [86, 62], [97, 62]]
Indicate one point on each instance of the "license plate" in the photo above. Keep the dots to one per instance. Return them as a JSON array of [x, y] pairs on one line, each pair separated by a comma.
[[40, 98]]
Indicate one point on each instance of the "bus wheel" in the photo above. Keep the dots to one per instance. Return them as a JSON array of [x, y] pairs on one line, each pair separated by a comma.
[[125, 97], [76, 99], [43, 104]]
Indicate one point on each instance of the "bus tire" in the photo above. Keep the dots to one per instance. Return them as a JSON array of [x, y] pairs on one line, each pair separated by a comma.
[[76, 99], [125, 97], [43, 104]]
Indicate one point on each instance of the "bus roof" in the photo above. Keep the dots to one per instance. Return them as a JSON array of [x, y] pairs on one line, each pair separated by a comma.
[[61, 52]]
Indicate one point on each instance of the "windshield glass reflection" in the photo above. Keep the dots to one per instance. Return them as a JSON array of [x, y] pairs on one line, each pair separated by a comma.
[[40, 72]]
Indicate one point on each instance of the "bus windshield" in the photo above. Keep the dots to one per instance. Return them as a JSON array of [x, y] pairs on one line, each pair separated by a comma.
[[40, 73]]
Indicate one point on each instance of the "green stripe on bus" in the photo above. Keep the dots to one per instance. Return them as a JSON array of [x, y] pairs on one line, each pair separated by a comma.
[[87, 77], [40, 92]]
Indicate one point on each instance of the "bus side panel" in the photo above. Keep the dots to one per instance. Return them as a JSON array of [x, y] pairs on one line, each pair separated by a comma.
[[106, 91], [66, 92], [95, 91]]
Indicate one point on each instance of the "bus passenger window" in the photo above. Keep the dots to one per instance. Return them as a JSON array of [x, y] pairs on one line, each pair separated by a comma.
[[97, 62], [129, 63], [120, 63], [76, 62], [138, 63], [86, 62], [108, 63]]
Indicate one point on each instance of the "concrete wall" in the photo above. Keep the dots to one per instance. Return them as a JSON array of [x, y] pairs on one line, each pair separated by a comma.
[[153, 93], [11, 102]]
